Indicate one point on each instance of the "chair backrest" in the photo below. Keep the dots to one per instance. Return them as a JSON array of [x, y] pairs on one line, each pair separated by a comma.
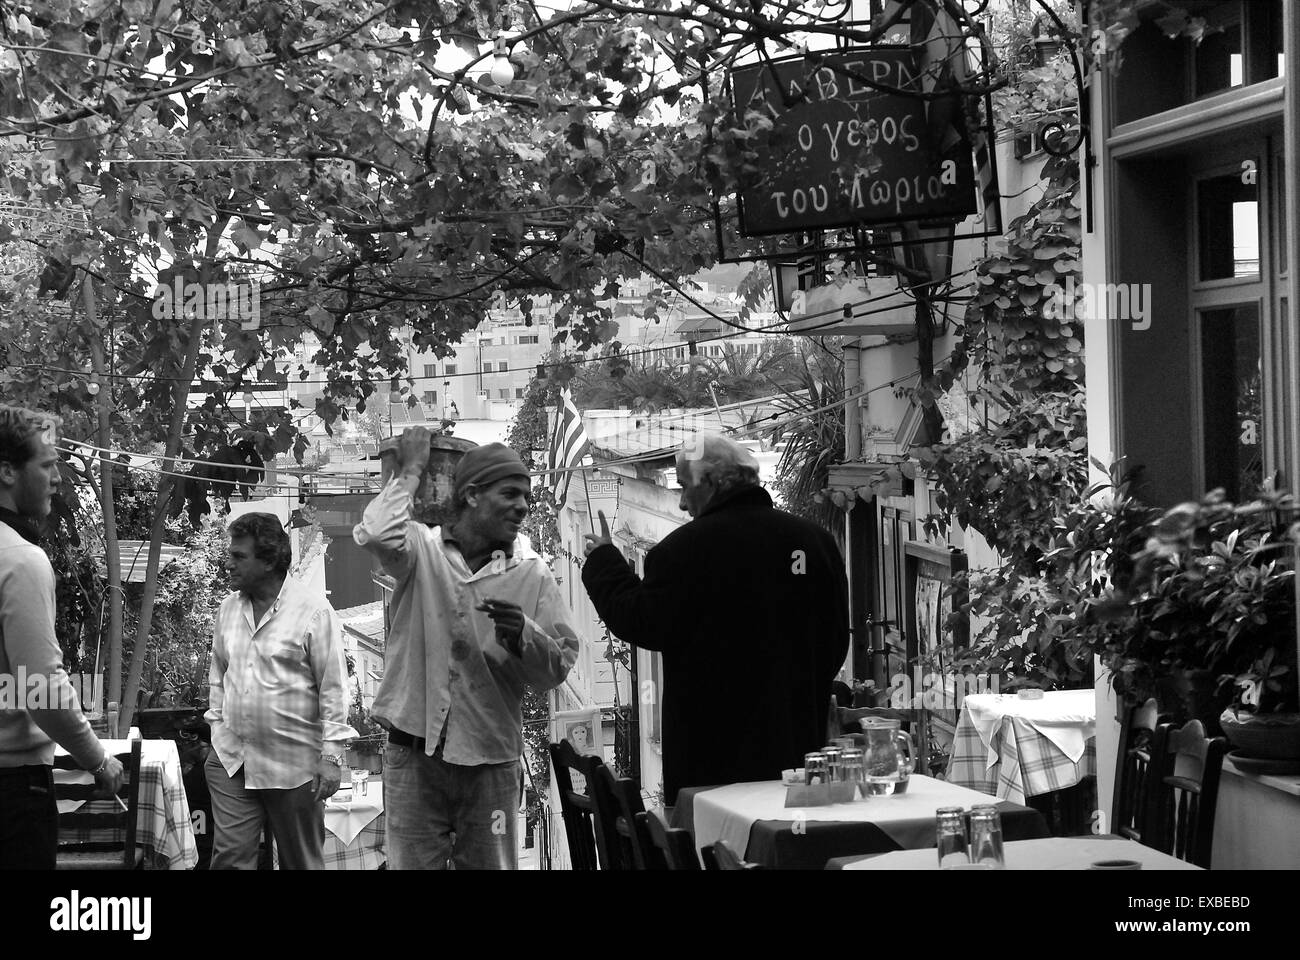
[[1185, 782], [719, 856], [677, 846], [636, 851], [849, 718], [588, 817], [1130, 808], [75, 826]]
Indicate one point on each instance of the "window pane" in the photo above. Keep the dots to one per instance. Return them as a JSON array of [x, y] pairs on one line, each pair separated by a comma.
[[1219, 61], [1228, 227], [450, 371], [1232, 389]]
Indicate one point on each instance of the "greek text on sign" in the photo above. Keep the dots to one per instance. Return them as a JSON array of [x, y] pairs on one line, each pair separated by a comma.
[[844, 153]]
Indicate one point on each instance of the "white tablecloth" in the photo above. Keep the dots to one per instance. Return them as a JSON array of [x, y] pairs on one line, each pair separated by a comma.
[[1068, 718], [1053, 853], [345, 818], [163, 825], [727, 813]]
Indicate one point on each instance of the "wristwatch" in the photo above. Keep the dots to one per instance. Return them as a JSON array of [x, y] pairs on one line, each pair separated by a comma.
[[333, 758]]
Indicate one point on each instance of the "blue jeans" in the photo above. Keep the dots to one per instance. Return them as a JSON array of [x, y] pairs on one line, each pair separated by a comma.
[[440, 814], [29, 818]]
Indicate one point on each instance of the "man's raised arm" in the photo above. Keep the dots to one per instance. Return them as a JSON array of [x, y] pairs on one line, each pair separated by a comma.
[[384, 529]]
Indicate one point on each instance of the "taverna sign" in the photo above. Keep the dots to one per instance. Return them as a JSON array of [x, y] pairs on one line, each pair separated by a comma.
[[843, 153]]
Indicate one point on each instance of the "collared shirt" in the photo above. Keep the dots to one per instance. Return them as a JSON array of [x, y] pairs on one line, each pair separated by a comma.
[[278, 688], [444, 671]]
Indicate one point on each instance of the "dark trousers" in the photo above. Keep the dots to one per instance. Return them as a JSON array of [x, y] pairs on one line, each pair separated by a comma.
[[297, 822], [29, 818]]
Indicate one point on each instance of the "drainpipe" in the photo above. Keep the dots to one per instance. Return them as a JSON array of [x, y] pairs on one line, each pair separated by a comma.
[[852, 411], [1291, 135], [855, 553]]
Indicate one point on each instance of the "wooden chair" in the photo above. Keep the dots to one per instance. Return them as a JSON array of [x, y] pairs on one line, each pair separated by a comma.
[[96, 854], [719, 856], [675, 845], [588, 818], [846, 719], [636, 851], [1185, 784], [1130, 807]]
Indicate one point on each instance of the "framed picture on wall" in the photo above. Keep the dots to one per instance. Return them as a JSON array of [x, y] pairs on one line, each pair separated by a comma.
[[581, 728]]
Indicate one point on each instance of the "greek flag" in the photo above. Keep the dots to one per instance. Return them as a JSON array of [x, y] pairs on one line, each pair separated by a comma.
[[569, 445]]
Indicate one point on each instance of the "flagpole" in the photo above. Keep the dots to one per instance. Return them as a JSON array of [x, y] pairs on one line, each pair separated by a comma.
[[586, 490]]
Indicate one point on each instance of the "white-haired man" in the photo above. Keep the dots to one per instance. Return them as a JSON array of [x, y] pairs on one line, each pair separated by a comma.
[[749, 607]]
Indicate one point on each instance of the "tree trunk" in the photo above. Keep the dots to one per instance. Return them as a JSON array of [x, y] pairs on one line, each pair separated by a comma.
[[112, 553], [166, 487]]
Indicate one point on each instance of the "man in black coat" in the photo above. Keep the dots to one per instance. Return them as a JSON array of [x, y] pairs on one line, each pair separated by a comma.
[[749, 607]]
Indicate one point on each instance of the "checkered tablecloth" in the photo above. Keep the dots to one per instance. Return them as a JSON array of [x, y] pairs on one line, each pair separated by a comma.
[[354, 832], [366, 852], [163, 827], [1028, 764]]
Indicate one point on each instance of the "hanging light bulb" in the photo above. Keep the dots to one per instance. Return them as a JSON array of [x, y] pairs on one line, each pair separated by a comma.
[[92, 388], [248, 398], [503, 71]]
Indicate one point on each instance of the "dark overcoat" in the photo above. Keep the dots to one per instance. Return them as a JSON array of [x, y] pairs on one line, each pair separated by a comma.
[[748, 605]]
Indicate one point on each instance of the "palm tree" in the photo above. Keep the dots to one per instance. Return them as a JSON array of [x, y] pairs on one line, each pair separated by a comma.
[[813, 442]]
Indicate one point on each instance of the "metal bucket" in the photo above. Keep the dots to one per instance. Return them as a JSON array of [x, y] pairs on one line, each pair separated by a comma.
[[434, 492]]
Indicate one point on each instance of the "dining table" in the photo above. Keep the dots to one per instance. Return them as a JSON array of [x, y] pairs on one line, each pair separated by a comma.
[[163, 827], [354, 828], [1016, 748], [754, 821], [1049, 853]]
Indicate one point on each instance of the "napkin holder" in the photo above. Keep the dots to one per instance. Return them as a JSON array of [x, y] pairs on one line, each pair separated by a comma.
[[819, 794]]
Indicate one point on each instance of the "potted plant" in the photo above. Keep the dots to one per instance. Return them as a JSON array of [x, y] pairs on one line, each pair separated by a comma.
[[1207, 620], [1194, 606]]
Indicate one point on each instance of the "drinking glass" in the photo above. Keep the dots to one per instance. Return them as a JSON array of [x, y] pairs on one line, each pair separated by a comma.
[[359, 778], [950, 836], [986, 837], [814, 768], [851, 767], [833, 772]]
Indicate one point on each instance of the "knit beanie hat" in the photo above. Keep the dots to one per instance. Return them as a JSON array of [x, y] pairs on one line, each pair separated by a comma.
[[485, 465]]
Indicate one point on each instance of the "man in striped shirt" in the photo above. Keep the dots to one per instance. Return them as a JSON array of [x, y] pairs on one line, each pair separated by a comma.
[[475, 617], [277, 706]]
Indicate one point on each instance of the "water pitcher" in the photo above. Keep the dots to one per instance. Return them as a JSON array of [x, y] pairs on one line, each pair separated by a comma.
[[888, 756]]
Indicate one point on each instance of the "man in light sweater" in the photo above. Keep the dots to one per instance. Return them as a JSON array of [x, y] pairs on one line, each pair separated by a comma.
[[38, 706]]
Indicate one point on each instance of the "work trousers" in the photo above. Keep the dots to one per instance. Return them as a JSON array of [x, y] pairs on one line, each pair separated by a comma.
[[239, 817]]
